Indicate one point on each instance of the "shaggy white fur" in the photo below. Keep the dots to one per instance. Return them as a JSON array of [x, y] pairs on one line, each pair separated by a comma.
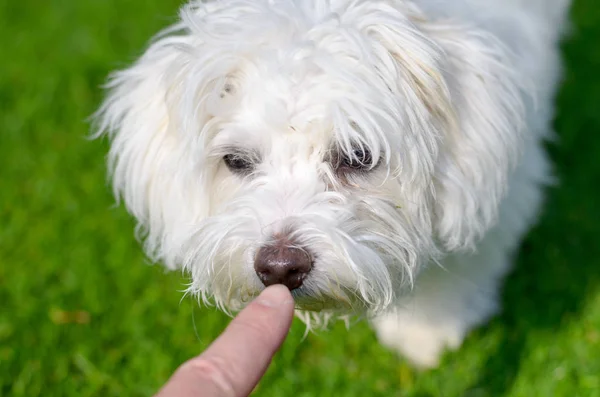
[[398, 143]]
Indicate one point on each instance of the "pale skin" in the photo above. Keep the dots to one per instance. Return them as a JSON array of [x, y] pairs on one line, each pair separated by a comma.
[[234, 363]]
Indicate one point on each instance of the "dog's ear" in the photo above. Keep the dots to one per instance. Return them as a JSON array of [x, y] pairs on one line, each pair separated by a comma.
[[479, 149], [159, 116], [463, 91]]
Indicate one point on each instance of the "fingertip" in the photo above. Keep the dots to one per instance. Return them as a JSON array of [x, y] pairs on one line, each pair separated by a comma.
[[276, 296]]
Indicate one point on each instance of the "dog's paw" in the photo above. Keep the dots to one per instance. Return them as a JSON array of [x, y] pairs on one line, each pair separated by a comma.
[[421, 343]]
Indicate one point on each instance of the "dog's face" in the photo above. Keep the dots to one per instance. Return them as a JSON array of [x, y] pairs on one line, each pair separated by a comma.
[[318, 145], [302, 193]]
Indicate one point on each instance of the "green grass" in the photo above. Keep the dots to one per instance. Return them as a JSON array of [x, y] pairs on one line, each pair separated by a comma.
[[64, 247]]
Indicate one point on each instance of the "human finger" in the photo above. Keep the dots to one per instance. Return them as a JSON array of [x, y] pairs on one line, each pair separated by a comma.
[[235, 362]]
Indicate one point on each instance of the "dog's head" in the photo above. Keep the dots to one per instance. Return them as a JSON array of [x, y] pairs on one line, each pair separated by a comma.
[[332, 146]]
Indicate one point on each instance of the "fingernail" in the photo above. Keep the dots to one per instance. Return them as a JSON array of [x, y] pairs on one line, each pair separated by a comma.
[[275, 296]]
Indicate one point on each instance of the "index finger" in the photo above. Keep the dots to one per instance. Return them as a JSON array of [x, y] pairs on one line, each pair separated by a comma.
[[235, 362]]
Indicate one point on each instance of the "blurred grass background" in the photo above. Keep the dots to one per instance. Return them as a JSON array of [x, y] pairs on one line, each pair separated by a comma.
[[83, 314]]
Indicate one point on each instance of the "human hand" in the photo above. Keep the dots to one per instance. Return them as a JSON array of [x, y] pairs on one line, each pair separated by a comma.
[[234, 363]]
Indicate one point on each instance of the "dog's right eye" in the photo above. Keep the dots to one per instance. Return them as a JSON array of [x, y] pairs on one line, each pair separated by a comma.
[[362, 160], [237, 163]]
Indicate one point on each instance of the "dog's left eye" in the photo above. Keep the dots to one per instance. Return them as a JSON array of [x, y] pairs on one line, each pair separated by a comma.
[[237, 163], [360, 160]]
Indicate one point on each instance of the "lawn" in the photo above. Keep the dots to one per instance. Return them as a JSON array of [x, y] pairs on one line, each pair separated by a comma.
[[82, 313]]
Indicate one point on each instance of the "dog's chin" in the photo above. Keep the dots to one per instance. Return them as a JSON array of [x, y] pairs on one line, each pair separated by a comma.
[[332, 303], [341, 303]]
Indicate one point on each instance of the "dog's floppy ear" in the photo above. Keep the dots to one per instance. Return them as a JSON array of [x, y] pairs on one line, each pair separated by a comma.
[[479, 150], [137, 117], [462, 92], [159, 115]]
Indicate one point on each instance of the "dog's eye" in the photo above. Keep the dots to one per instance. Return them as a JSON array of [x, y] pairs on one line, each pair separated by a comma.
[[237, 163], [360, 160]]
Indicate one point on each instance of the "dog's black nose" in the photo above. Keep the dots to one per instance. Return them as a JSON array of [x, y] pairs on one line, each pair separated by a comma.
[[281, 264]]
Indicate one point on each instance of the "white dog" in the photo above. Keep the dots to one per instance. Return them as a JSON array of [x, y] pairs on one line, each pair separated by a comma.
[[379, 157]]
